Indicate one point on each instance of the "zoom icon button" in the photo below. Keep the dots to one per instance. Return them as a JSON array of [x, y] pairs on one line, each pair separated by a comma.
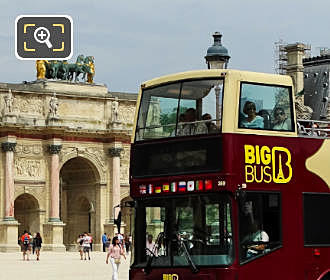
[[43, 37]]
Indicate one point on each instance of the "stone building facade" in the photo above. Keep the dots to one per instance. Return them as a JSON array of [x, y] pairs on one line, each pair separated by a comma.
[[64, 161], [317, 85]]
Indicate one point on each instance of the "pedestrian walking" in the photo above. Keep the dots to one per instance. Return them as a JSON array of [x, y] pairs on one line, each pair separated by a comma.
[[91, 241], [37, 243], [80, 242], [26, 246], [33, 243], [115, 252], [104, 241], [108, 242], [120, 238], [86, 245], [127, 243]]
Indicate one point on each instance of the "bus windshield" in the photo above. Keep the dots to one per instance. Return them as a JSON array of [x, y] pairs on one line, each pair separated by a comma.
[[184, 231], [180, 109]]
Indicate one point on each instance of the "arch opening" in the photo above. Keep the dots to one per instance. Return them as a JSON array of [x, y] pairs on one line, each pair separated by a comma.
[[27, 213], [78, 182]]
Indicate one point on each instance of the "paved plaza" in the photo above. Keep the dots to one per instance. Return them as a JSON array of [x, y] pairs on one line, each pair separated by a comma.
[[59, 266]]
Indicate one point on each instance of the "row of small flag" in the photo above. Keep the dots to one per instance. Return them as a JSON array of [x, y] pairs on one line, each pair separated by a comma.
[[181, 186]]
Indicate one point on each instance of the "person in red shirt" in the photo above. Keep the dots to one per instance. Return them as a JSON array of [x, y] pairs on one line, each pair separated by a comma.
[[26, 241]]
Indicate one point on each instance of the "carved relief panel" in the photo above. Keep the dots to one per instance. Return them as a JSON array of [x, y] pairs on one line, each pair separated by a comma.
[[29, 169], [29, 104], [126, 113], [32, 150], [29, 163]]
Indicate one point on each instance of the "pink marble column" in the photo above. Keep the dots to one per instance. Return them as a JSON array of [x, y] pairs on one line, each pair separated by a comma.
[[8, 148], [54, 183], [115, 155]]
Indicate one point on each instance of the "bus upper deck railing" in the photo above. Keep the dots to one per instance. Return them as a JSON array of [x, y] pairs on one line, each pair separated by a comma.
[[313, 128], [306, 128]]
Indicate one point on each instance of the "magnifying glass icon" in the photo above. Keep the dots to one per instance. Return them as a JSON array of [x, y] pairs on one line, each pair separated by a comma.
[[42, 35]]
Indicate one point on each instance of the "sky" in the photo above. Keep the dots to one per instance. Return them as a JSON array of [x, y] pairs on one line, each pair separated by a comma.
[[134, 41]]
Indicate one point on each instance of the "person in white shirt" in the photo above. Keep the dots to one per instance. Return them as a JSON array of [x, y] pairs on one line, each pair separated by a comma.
[[257, 239], [150, 245], [86, 245]]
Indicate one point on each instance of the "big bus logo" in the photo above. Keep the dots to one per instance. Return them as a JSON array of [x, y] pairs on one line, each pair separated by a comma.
[[170, 277], [264, 164]]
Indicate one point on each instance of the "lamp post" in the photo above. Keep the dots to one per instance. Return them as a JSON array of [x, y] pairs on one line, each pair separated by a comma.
[[217, 57]]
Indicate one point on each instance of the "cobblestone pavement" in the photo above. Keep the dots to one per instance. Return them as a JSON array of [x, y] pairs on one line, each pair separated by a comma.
[[59, 266]]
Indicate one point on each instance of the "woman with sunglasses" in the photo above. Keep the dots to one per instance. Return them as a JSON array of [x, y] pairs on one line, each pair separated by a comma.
[[281, 121]]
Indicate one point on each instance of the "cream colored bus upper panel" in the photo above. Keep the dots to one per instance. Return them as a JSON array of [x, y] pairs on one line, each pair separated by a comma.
[[214, 101], [258, 103]]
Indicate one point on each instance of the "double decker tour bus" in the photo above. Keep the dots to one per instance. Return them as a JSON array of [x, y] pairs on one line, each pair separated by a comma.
[[224, 184]]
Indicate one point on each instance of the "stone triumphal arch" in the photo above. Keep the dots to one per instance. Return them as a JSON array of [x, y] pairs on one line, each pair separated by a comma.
[[64, 161]]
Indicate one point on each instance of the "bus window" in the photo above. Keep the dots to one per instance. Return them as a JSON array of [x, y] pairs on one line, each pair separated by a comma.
[[260, 227], [316, 224], [180, 109], [158, 112], [200, 99], [202, 225], [212, 223], [265, 107], [191, 227], [154, 227]]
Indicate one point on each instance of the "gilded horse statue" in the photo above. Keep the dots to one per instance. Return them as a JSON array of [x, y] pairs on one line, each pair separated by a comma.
[[67, 71], [89, 69], [41, 69]]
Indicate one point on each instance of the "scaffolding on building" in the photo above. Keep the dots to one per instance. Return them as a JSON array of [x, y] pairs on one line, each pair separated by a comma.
[[280, 56]]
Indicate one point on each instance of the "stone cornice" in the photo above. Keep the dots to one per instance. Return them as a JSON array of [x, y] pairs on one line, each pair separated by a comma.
[[54, 149], [115, 152], [105, 136], [8, 146]]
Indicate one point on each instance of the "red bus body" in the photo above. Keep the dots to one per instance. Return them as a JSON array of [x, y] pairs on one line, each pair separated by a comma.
[[292, 260]]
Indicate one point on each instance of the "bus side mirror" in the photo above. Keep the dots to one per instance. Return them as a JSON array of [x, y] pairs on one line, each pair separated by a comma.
[[117, 221], [240, 196], [129, 204]]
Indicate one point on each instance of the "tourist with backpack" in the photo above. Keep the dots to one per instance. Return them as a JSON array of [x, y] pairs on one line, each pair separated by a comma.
[[26, 240]]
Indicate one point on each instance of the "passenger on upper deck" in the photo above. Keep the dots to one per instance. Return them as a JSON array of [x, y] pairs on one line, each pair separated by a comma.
[[212, 128], [190, 127], [267, 119], [252, 120], [281, 121]]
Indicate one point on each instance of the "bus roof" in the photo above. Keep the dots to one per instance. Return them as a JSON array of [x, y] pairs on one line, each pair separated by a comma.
[[208, 73]]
